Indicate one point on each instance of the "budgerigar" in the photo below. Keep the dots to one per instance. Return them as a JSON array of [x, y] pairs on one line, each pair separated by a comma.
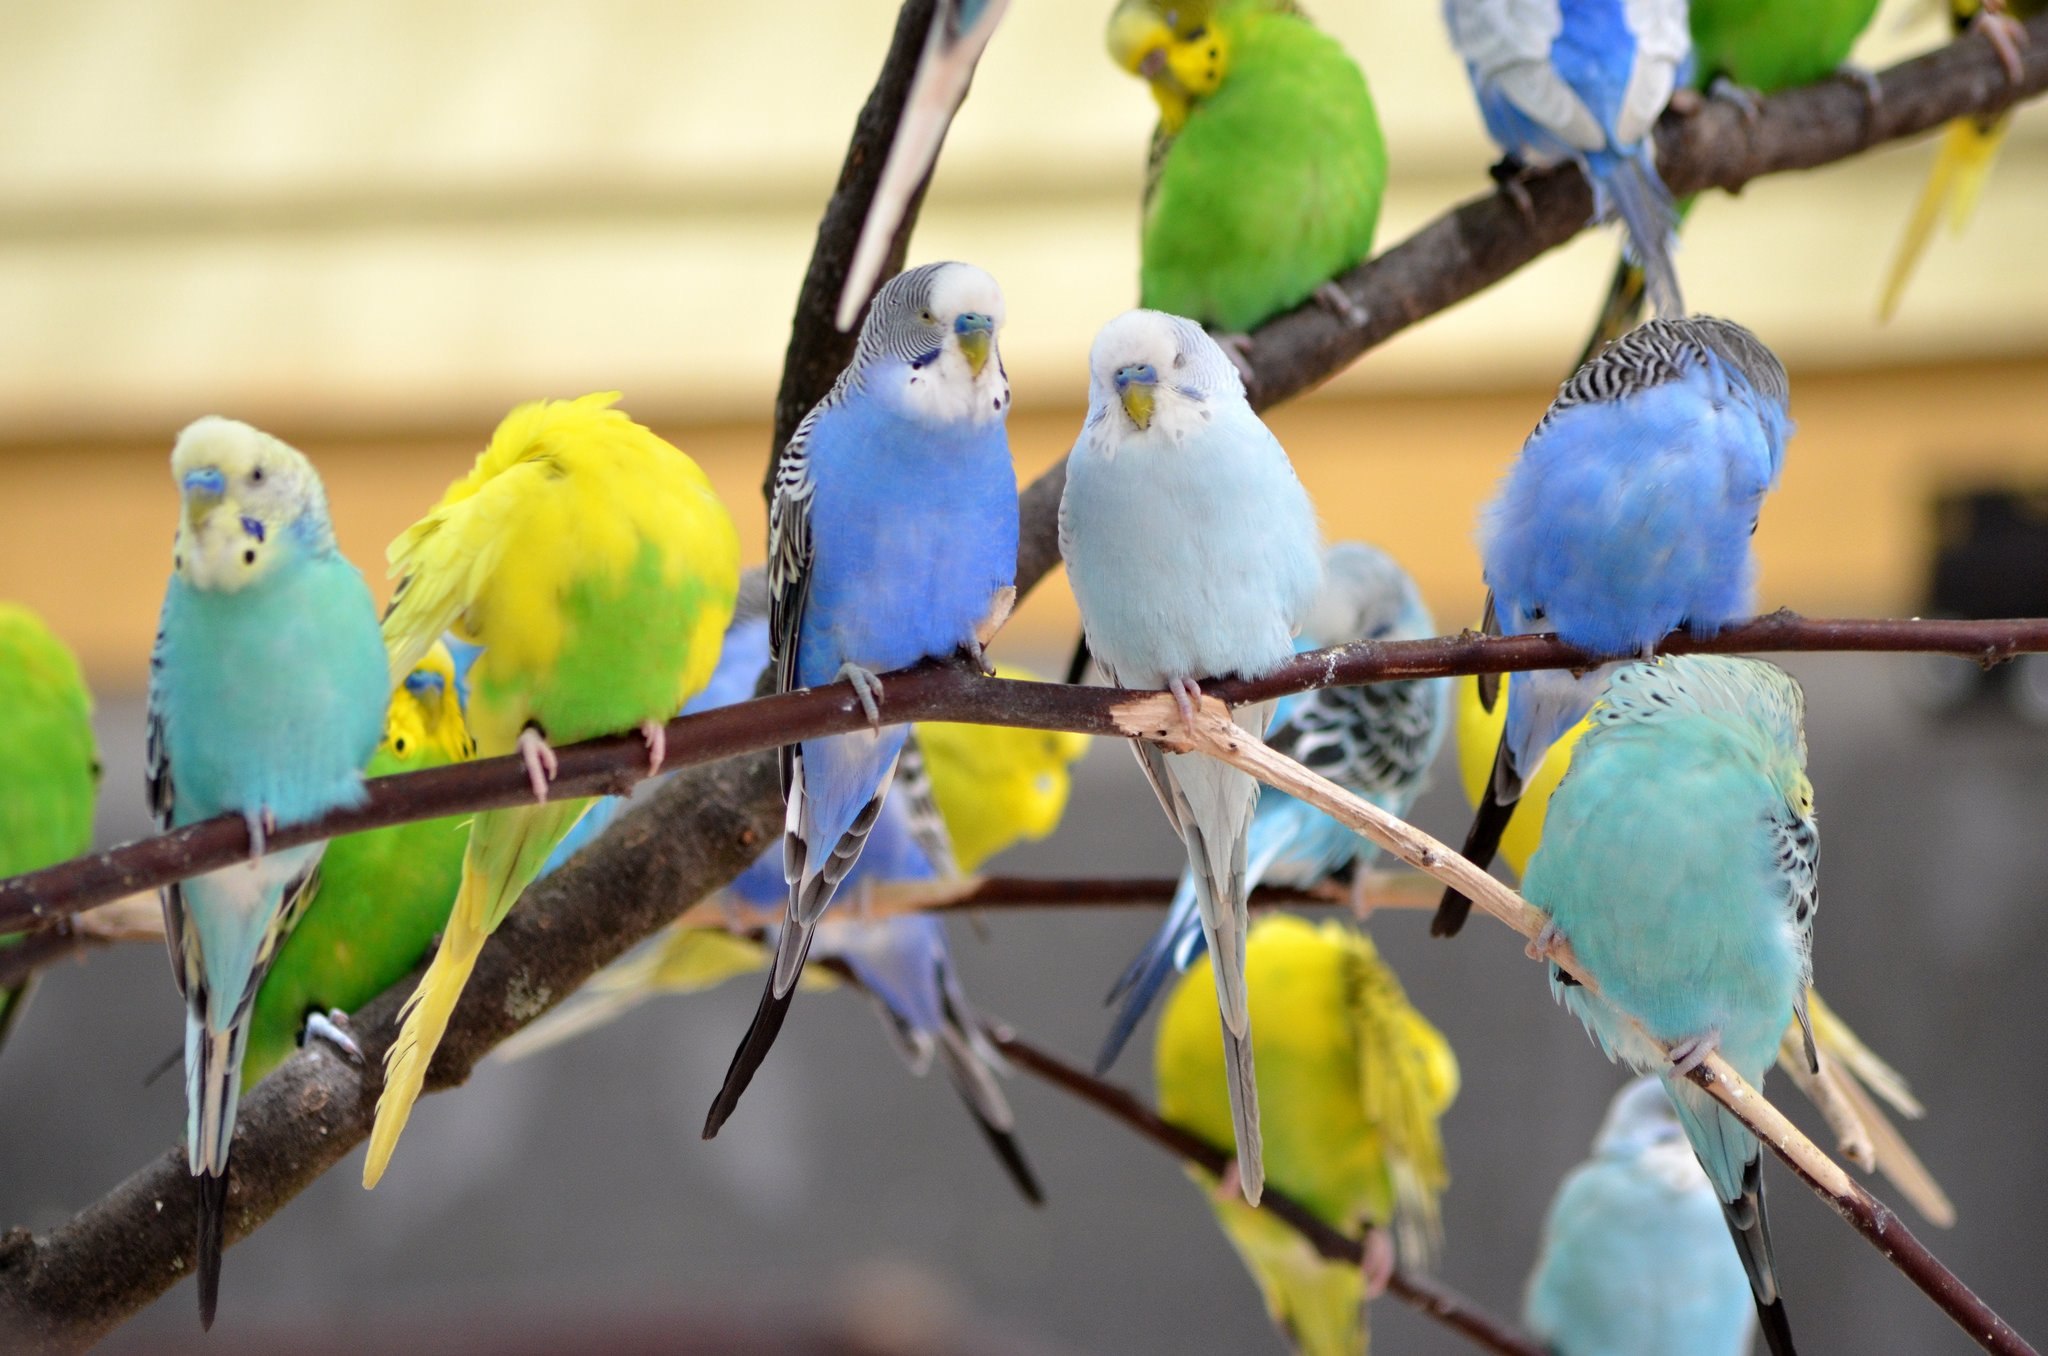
[[49, 772], [1969, 145], [1741, 48], [960, 30], [1193, 553], [1679, 863], [1363, 1078], [266, 696], [1635, 1256], [1267, 167], [1377, 741], [1585, 80], [597, 570], [382, 896], [1629, 513], [892, 539]]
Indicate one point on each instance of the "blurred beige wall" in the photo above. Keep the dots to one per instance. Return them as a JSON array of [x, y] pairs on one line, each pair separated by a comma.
[[374, 226]]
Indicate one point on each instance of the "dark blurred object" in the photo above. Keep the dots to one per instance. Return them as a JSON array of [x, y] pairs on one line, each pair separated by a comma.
[[1990, 560]]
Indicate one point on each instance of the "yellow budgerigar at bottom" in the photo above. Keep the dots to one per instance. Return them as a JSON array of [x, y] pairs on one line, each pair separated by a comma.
[[1353, 1080]]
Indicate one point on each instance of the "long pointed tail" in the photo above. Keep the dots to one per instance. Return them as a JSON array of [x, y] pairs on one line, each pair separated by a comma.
[[1242, 1080], [213, 1228], [1171, 950], [425, 1022], [1957, 179], [1630, 187], [1620, 312], [1482, 841], [791, 948], [213, 1091], [975, 1082], [1733, 1160]]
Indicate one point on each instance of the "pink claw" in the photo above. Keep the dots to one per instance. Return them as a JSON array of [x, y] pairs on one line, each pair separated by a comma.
[[541, 764], [1187, 695], [1689, 1054], [1230, 1186], [656, 735], [2006, 36], [1547, 942], [1378, 1264]]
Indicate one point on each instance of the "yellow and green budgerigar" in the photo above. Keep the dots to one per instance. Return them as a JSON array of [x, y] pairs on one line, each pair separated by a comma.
[[1267, 167], [382, 896], [1967, 147], [595, 567], [1354, 1080], [50, 769], [997, 786]]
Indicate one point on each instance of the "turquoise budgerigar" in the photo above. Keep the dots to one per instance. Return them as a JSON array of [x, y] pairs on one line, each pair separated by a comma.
[[266, 698], [1377, 741], [1193, 553], [1585, 80], [1635, 1254], [960, 31], [892, 539], [1629, 514], [1679, 863]]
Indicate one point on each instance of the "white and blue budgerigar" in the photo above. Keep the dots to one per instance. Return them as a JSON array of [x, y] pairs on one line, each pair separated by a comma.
[[1680, 863], [1377, 741], [952, 45], [892, 539], [1629, 514], [1635, 1254], [1193, 552], [1585, 80], [266, 697]]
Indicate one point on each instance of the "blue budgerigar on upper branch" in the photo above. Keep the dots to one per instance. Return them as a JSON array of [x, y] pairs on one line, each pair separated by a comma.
[[1628, 515], [1680, 863], [892, 539], [1584, 81], [267, 695], [1193, 553], [1377, 740]]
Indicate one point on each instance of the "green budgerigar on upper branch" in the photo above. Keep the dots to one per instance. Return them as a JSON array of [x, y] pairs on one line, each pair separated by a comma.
[[1267, 166], [49, 772], [382, 896]]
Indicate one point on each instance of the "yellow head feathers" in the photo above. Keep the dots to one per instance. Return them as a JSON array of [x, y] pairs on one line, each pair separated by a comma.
[[997, 786], [426, 712]]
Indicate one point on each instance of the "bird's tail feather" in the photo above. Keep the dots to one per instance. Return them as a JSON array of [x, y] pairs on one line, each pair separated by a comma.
[[213, 1227], [1482, 841], [1956, 180], [794, 944], [1733, 1160], [1242, 1080], [975, 1082], [1630, 188], [424, 1022], [213, 1090], [1620, 312], [1148, 972]]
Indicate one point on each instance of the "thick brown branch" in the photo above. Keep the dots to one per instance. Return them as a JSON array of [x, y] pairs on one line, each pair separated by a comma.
[[1439, 1301], [612, 765]]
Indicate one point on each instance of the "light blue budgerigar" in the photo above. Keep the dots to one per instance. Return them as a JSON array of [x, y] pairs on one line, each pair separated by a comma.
[[1679, 861], [952, 45], [1635, 1254], [1377, 741], [1585, 80], [266, 697], [892, 539], [1194, 553], [1629, 514]]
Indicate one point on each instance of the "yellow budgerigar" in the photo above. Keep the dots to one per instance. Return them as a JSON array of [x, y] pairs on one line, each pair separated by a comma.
[[1354, 1080], [597, 570]]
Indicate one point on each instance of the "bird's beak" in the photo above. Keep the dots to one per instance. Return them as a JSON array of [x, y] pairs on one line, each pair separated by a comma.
[[1153, 65], [203, 490], [976, 333], [1137, 386]]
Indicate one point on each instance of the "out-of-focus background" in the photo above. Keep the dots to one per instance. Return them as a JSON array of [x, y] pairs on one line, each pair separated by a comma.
[[372, 228]]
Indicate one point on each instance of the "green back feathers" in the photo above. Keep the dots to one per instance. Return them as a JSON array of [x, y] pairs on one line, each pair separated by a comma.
[[1770, 45], [49, 771]]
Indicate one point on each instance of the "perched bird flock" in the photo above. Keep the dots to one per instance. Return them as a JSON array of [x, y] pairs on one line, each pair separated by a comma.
[[587, 581]]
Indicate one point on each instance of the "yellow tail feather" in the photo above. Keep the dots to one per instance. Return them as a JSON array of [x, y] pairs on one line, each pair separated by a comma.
[[425, 1021], [1956, 180]]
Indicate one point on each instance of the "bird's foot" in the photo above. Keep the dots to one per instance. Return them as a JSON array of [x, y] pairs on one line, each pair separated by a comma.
[[1738, 97], [2006, 36], [866, 688], [540, 760], [1377, 1266], [978, 656], [1230, 1186], [1343, 305], [1238, 348], [1690, 1053], [261, 824], [332, 1026], [1187, 695], [1867, 84], [1510, 176], [1545, 945], [655, 733]]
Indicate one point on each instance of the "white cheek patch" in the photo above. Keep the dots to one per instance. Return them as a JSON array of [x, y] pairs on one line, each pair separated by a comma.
[[945, 391]]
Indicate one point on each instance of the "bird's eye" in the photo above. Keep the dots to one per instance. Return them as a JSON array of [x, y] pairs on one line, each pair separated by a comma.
[[398, 744], [1196, 34], [256, 476], [927, 317], [249, 556]]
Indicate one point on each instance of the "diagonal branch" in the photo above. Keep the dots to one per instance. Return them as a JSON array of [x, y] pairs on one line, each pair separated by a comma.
[[613, 765]]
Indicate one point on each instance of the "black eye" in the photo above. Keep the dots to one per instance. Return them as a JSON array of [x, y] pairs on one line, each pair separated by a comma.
[[927, 317], [398, 744], [249, 556], [256, 476]]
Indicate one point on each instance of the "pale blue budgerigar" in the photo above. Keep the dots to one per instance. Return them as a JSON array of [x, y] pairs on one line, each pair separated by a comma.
[[266, 698], [1585, 80], [892, 539], [1628, 515], [1193, 552], [960, 31], [1377, 741], [1679, 862], [1635, 1254]]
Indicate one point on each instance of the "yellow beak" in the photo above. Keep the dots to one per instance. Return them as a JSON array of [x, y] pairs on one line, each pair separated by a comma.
[[1137, 398], [974, 347]]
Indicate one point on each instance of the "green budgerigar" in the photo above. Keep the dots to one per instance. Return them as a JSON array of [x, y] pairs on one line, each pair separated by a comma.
[[1267, 166], [49, 773], [382, 896]]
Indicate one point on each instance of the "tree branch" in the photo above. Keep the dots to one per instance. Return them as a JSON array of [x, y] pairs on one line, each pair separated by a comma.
[[613, 765], [1431, 1297]]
